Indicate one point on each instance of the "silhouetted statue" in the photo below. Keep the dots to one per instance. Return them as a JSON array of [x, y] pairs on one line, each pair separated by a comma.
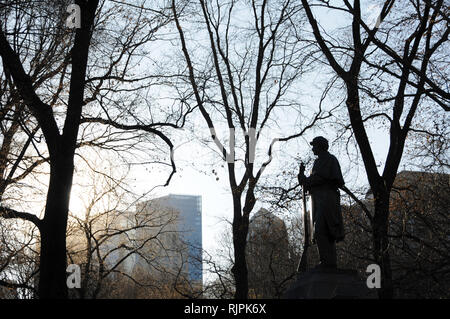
[[322, 184]]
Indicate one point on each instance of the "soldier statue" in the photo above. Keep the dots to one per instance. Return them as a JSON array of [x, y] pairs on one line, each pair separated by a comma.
[[323, 186]]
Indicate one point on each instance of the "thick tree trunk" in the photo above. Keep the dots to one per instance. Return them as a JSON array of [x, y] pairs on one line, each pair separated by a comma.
[[240, 230], [379, 187], [53, 260], [52, 280], [381, 243], [52, 277]]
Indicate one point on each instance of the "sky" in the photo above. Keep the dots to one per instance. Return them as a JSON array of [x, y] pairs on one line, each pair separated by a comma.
[[196, 178], [195, 174]]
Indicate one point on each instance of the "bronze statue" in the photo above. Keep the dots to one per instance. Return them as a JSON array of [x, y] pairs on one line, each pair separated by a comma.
[[323, 184]]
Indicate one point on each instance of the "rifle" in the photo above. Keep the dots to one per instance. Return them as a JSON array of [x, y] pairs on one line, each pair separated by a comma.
[[303, 261]]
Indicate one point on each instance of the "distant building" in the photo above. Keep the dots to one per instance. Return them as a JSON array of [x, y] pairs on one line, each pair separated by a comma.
[[268, 259], [419, 237], [184, 233], [159, 244]]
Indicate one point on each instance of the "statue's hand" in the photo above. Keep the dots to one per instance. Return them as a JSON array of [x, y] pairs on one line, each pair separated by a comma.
[[302, 169], [301, 175]]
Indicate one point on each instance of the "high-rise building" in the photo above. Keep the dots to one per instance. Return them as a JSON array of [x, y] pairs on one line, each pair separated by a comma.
[[267, 254], [188, 228]]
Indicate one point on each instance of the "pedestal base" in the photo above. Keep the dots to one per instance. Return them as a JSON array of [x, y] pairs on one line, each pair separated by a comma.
[[330, 284]]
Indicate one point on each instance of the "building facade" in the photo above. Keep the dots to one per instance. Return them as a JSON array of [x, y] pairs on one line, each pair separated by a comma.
[[418, 233], [267, 253], [185, 230]]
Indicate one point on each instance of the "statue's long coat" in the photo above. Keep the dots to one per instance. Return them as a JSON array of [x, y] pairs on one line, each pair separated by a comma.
[[323, 183]]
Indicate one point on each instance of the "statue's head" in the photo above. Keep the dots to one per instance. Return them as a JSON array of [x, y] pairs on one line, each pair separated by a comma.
[[319, 145]]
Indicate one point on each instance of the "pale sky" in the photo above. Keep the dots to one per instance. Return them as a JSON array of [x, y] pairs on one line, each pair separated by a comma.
[[196, 178], [194, 162]]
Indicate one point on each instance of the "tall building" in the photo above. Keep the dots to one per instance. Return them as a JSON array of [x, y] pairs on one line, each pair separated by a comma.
[[186, 228], [267, 254]]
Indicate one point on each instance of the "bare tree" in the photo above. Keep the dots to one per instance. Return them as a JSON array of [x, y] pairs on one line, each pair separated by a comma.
[[248, 75], [220, 283], [272, 255], [18, 259], [61, 125], [20, 132], [110, 237], [404, 47]]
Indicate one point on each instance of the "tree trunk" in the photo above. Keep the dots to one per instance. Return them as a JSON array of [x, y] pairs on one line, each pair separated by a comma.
[[381, 244], [379, 187], [240, 230], [53, 260]]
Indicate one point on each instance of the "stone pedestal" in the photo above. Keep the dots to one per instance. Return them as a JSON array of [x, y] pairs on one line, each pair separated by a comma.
[[330, 284]]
